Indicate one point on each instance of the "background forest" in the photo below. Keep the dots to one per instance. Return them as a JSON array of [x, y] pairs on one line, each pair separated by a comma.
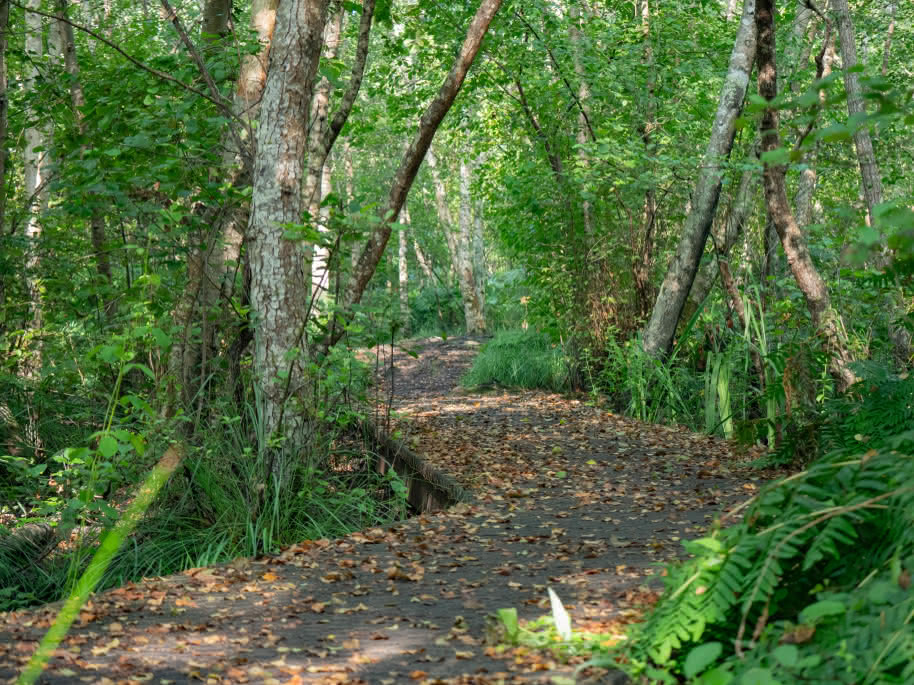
[[699, 212]]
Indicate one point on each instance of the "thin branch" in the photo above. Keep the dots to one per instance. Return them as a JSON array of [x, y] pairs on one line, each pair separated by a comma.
[[558, 70], [172, 16], [130, 58], [352, 91]]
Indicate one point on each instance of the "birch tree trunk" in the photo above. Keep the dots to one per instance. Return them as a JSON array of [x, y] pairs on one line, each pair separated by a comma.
[[659, 332], [730, 231], [34, 162], [318, 180], [869, 170], [278, 285], [471, 280], [4, 112], [827, 321], [403, 275]]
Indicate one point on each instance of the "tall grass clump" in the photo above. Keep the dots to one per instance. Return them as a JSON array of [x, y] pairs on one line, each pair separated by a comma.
[[519, 359]]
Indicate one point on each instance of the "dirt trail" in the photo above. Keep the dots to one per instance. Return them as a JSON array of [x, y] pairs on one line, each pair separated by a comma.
[[566, 495]]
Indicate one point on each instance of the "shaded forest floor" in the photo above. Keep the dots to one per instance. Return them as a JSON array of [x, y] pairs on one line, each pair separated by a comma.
[[565, 495]]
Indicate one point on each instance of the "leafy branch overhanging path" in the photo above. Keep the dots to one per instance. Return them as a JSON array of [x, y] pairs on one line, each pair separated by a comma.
[[566, 495]]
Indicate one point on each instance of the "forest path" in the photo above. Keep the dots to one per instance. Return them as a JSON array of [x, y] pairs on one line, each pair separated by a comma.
[[566, 495]]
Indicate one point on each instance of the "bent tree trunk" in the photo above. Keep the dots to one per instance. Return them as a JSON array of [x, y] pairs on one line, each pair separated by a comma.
[[278, 286], [828, 323], [431, 119], [659, 332]]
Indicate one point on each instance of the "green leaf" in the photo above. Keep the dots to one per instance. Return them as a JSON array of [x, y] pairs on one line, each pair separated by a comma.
[[508, 618], [776, 157], [716, 676], [701, 657], [759, 676], [107, 446], [826, 607], [787, 655]]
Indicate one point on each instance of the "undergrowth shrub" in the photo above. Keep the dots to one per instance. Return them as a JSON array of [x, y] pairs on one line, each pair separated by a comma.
[[812, 586], [519, 359]]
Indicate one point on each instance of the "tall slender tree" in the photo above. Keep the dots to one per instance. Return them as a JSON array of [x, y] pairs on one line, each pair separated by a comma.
[[828, 323], [661, 328]]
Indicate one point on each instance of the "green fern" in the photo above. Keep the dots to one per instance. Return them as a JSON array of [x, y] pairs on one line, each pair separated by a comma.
[[830, 550]]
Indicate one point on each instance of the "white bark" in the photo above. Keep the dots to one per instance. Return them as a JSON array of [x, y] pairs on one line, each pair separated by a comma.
[[659, 332], [403, 274], [869, 170], [35, 157], [472, 283], [318, 180]]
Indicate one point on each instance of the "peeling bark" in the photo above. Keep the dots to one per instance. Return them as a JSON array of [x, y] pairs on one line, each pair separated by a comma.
[[659, 332], [826, 320]]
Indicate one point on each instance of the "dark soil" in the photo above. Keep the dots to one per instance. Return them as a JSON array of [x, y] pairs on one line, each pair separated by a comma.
[[566, 495]]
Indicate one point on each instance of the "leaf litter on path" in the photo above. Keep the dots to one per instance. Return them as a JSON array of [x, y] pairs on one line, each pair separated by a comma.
[[566, 495]]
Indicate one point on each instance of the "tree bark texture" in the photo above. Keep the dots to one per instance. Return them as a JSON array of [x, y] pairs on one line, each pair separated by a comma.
[[730, 231], [34, 164], [409, 166], [4, 108], [472, 280], [661, 328], [828, 323], [278, 286], [318, 179], [403, 275], [866, 158]]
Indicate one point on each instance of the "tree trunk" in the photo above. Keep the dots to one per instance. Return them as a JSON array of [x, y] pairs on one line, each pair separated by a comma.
[[458, 236], [659, 332], [214, 256], [732, 229], [409, 166], [887, 50], [78, 101], [4, 109], [278, 286], [472, 284], [866, 158], [217, 17], [318, 180], [403, 274], [35, 157], [828, 323]]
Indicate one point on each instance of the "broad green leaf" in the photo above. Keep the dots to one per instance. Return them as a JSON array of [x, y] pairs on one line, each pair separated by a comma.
[[107, 446], [822, 609], [701, 657], [787, 655]]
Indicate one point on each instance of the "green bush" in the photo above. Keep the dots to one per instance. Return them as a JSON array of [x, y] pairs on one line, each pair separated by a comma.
[[812, 585], [519, 359]]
